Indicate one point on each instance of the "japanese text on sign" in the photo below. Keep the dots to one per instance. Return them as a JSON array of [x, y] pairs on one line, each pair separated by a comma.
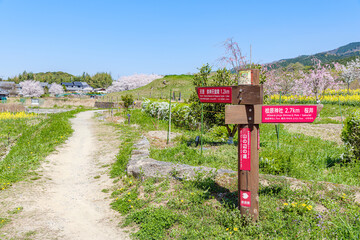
[[215, 94], [288, 114], [245, 198], [245, 149]]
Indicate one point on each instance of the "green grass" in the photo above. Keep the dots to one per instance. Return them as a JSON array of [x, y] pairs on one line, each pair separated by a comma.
[[178, 83], [298, 156], [333, 110], [36, 139], [205, 209], [128, 137]]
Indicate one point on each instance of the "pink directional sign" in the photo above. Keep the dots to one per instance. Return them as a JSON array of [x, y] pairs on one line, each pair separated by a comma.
[[245, 150], [245, 198], [289, 114], [215, 94]]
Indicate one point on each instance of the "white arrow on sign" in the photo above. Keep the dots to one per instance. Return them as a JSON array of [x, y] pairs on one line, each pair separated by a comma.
[[245, 196]]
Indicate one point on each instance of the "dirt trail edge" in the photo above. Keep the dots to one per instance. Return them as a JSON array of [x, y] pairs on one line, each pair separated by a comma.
[[68, 202]]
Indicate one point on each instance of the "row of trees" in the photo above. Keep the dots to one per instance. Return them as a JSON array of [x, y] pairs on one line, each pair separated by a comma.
[[131, 82], [31, 88], [98, 80], [311, 82]]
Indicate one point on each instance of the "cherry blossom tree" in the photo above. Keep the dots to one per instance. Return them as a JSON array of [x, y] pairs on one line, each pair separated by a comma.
[[234, 58], [351, 72], [316, 81], [31, 88], [280, 81], [131, 82], [56, 89]]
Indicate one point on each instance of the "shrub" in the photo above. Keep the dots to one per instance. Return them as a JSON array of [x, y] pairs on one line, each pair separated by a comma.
[[181, 114], [351, 133], [128, 100]]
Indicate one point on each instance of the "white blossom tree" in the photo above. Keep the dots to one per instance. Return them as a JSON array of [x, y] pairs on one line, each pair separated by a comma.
[[351, 72], [31, 88], [56, 89], [131, 82]]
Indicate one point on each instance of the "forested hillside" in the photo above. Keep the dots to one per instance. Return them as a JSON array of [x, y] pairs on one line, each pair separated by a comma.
[[342, 55]]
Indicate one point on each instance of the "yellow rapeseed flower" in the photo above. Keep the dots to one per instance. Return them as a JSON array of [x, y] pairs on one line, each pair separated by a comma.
[[18, 115], [286, 204], [309, 207], [235, 229]]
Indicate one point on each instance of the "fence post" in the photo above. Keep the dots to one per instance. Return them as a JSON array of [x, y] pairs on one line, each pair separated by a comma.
[[169, 129], [202, 128]]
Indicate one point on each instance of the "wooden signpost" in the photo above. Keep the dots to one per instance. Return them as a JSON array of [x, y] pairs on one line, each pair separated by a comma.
[[248, 112]]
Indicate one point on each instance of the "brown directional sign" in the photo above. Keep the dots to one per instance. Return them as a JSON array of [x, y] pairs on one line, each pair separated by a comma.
[[243, 114], [248, 112], [242, 94]]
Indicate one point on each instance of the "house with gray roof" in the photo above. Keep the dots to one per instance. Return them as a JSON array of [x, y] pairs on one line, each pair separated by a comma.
[[77, 87], [3, 94], [7, 88]]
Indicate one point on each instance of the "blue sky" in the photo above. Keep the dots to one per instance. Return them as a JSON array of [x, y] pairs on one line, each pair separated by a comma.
[[165, 37]]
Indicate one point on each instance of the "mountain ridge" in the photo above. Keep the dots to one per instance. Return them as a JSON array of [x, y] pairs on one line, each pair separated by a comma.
[[341, 54]]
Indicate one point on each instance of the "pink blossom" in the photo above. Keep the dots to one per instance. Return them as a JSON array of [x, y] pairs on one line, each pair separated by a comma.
[[31, 88], [56, 89]]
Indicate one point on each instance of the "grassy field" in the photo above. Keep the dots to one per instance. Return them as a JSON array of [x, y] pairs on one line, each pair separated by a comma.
[[205, 208]]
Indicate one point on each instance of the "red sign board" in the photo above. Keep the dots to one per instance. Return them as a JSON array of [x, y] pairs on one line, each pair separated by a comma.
[[215, 94], [289, 114], [245, 149], [245, 198]]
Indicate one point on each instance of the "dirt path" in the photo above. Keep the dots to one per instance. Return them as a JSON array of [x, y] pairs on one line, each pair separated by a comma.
[[67, 202], [329, 132]]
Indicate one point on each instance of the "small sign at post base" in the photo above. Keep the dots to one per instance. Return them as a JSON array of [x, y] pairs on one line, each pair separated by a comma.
[[245, 198]]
